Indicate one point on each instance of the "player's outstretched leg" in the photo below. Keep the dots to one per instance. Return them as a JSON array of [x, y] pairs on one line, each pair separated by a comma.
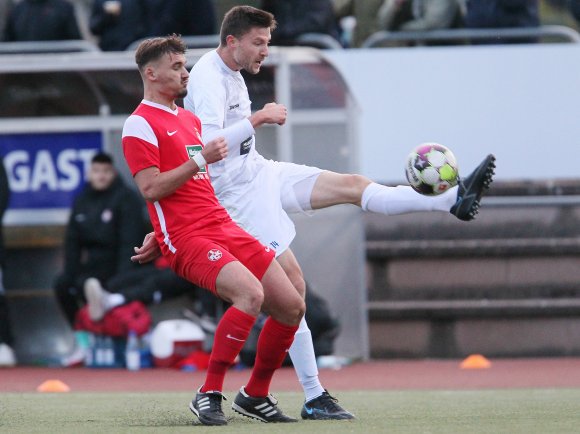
[[471, 188]]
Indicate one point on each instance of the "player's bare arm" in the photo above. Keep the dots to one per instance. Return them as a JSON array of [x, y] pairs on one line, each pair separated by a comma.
[[271, 113], [155, 185]]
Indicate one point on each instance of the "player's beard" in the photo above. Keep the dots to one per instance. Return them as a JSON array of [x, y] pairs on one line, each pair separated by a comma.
[[182, 93]]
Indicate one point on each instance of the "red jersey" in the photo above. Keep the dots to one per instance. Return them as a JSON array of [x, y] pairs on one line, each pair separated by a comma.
[[155, 136]]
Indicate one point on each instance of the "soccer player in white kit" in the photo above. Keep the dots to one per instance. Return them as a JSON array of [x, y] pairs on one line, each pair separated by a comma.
[[258, 193]]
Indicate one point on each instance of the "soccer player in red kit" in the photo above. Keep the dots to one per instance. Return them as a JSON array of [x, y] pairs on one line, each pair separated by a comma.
[[163, 148]]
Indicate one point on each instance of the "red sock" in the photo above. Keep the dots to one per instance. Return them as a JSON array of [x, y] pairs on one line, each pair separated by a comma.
[[230, 336], [273, 344]]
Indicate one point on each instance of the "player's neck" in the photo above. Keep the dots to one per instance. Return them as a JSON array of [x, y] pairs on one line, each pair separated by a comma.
[[227, 58], [160, 99]]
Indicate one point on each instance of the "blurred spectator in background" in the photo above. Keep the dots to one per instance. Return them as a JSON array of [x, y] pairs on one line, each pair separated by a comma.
[[107, 221], [222, 6], [5, 8], [7, 357], [297, 17], [365, 14], [42, 20], [490, 14], [149, 285], [117, 23], [182, 17], [574, 6], [420, 15]]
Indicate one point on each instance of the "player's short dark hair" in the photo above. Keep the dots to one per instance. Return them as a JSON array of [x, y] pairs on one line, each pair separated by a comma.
[[102, 157], [239, 20], [155, 48]]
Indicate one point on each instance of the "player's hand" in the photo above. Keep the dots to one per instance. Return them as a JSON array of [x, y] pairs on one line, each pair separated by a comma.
[[274, 113], [215, 150], [148, 251]]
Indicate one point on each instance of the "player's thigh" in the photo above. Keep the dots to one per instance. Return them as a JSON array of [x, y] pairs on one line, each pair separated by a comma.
[[292, 269], [333, 188], [296, 184], [237, 285], [281, 300]]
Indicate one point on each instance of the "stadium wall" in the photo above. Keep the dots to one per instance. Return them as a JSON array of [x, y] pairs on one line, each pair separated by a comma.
[[518, 101]]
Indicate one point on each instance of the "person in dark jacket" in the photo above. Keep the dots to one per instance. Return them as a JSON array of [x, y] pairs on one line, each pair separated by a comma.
[[7, 357], [182, 17], [107, 220], [490, 14], [42, 20], [574, 6], [297, 17], [118, 23]]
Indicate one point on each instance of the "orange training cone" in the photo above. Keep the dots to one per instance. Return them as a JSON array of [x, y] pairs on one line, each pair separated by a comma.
[[53, 386], [475, 361]]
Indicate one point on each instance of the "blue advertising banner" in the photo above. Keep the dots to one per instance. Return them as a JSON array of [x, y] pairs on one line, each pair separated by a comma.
[[47, 170]]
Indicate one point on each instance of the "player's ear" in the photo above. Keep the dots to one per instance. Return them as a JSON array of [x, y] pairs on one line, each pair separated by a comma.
[[231, 40], [150, 73]]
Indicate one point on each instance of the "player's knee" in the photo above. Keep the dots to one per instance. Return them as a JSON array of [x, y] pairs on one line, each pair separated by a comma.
[[294, 312], [354, 185], [254, 298], [249, 299]]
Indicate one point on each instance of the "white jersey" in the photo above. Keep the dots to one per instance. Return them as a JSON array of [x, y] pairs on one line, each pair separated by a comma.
[[257, 193], [219, 97]]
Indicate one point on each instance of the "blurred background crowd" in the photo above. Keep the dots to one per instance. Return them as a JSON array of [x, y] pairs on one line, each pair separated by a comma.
[[115, 24]]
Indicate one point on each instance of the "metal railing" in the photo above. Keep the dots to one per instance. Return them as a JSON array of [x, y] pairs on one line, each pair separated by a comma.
[[531, 201], [197, 41], [564, 33], [37, 47], [319, 40]]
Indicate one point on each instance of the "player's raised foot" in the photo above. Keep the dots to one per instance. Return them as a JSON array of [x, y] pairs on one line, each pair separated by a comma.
[[324, 407], [96, 298], [264, 409], [471, 188], [207, 406]]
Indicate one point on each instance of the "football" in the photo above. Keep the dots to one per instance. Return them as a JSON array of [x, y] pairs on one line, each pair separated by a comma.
[[431, 169]]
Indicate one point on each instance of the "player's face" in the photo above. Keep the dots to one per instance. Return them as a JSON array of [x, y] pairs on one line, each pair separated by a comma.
[[101, 176], [172, 75], [252, 49]]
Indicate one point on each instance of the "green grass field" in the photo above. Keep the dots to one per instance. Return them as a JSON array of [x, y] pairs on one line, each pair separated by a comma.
[[491, 411]]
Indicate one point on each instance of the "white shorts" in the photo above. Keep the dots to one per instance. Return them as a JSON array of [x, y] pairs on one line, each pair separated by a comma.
[[261, 205]]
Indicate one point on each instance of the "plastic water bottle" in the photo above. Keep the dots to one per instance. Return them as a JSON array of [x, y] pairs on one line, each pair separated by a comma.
[[109, 361], [90, 359], [133, 352], [100, 355]]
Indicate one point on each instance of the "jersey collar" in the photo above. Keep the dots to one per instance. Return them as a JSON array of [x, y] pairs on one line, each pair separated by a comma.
[[160, 106]]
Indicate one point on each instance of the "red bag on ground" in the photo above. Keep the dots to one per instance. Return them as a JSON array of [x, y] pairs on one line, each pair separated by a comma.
[[117, 322]]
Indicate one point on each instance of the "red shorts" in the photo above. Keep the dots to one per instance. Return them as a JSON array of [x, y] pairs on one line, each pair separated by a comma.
[[200, 255]]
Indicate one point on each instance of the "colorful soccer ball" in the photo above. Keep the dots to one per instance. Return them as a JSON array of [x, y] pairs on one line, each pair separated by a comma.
[[431, 169]]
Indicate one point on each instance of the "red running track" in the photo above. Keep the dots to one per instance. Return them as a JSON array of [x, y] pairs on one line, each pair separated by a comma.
[[374, 375]]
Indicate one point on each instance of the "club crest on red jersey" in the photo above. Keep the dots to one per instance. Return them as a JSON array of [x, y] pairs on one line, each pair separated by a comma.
[[214, 255]]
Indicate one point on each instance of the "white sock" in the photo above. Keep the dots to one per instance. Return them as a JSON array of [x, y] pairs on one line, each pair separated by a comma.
[[403, 199], [304, 361], [114, 300]]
